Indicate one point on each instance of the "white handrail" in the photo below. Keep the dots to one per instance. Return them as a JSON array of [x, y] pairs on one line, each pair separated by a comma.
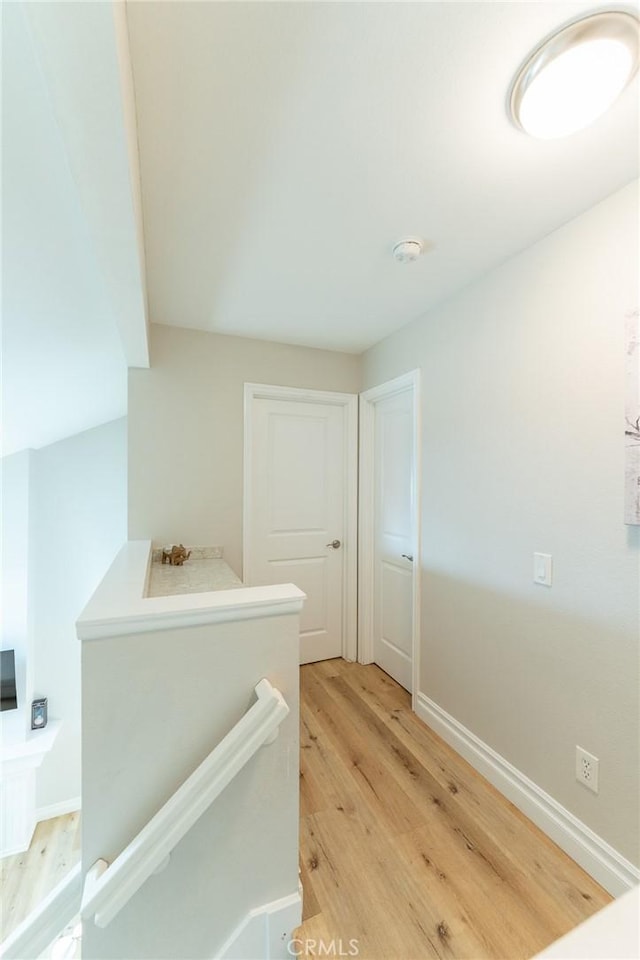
[[107, 892], [49, 919]]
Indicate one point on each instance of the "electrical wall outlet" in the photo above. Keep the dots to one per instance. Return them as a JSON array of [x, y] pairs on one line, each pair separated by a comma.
[[587, 769]]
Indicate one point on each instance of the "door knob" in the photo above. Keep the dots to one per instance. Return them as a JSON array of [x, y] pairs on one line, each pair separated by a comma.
[[335, 544], [408, 557]]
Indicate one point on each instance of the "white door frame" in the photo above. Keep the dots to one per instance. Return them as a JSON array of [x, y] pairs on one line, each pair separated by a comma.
[[368, 399], [263, 391]]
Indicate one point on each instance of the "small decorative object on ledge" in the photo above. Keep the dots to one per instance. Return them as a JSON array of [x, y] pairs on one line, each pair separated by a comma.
[[176, 555], [39, 713]]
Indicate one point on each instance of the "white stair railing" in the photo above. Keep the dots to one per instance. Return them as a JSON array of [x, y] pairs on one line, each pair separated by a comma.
[[46, 922], [108, 887]]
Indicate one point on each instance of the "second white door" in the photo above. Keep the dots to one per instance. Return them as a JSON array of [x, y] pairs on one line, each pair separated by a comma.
[[297, 512], [394, 536]]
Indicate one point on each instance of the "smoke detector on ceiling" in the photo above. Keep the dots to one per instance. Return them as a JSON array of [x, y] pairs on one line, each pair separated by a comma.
[[406, 251]]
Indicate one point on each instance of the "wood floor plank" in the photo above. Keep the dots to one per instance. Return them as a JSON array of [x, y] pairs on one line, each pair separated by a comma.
[[346, 892], [543, 857], [362, 766], [316, 929], [27, 878], [325, 785], [404, 847], [447, 866], [455, 827]]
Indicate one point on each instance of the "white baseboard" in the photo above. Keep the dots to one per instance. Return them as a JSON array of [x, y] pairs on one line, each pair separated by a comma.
[[265, 932], [595, 855], [58, 809]]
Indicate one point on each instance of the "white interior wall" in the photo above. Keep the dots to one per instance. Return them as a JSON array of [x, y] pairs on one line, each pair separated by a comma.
[[522, 410], [78, 522], [144, 732], [17, 559], [186, 429]]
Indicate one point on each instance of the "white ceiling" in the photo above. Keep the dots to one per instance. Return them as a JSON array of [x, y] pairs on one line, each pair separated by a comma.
[[284, 147], [63, 368], [73, 292]]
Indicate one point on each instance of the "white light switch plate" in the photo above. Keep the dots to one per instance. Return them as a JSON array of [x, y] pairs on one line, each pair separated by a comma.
[[542, 569]]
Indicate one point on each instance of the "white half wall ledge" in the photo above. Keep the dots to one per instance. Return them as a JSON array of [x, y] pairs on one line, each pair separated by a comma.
[[608, 867], [119, 606]]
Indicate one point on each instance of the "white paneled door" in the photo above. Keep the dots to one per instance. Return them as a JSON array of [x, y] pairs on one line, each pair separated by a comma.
[[394, 537], [389, 574], [300, 450]]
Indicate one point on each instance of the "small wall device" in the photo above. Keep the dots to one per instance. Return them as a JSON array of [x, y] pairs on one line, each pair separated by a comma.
[[39, 713]]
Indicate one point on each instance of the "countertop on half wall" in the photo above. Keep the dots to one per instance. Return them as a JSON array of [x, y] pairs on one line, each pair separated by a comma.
[[194, 576], [122, 606]]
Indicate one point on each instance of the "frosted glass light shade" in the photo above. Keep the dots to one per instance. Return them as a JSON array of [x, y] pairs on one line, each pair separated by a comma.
[[575, 76]]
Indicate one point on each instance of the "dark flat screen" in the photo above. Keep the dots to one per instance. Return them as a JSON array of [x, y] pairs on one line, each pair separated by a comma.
[[8, 695]]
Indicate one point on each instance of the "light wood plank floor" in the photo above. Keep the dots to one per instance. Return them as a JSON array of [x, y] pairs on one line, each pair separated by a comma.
[[28, 877], [405, 848]]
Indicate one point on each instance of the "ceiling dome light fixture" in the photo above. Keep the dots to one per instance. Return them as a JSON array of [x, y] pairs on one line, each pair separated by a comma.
[[406, 251], [575, 75]]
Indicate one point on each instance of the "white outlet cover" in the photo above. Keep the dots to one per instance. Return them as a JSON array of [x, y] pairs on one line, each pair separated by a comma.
[[587, 769]]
